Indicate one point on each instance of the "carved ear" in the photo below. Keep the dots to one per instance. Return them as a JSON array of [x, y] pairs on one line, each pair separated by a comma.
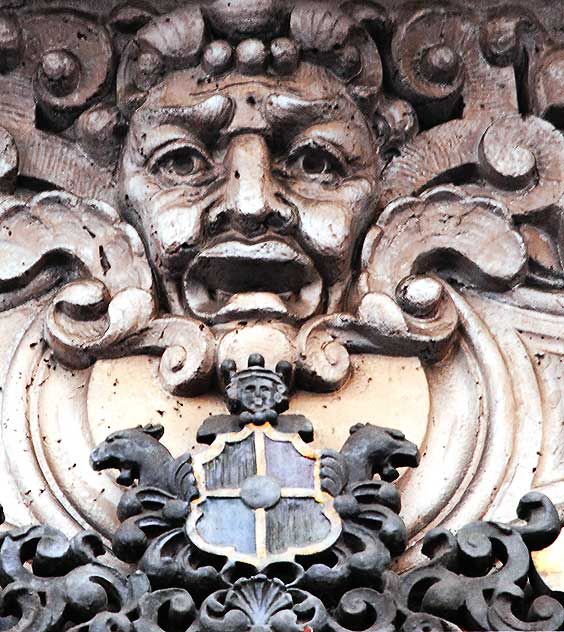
[[154, 430], [356, 428]]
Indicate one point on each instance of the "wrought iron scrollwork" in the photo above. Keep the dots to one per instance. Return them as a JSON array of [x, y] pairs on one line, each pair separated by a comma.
[[481, 578]]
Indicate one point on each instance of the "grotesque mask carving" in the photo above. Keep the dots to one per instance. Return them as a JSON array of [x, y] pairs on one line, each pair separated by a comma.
[[253, 173], [199, 181]]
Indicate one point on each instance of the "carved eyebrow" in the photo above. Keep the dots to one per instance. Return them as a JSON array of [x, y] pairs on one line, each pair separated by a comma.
[[284, 110], [289, 116], [207, 117]]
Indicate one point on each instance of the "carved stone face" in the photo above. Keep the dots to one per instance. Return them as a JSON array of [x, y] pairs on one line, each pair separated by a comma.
[[252, 193], [258, 394]]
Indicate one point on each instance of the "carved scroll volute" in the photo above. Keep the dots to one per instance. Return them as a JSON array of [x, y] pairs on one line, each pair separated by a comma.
[[429, 67], [396, 305], [108, 306], [71, 58], [472, 238], [485, 89], [166, 43], [478, 578], [55, 66], [471, 76], [545, 84], [59, 236], [521, 158], [513, 159], [437, 65], [465, 239]]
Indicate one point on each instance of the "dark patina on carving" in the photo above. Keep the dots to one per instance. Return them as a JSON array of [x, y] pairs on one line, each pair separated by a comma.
[[258, 395], [259, 532]]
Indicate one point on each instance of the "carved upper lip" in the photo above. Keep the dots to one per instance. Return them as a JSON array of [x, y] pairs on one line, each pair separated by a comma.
[[234, 279], [267, 266], [100, 460]]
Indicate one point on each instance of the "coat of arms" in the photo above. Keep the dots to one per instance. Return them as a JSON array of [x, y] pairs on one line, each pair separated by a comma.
[[260, 493], [259, 532], [261, 498]]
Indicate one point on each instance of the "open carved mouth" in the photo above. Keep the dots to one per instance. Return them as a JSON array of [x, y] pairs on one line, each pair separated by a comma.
[[234, 279]]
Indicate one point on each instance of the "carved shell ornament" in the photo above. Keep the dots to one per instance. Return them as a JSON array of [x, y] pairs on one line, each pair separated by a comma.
[[261, 195]]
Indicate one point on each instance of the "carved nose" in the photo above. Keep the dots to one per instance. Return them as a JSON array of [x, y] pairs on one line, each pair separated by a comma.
[[251, 200]]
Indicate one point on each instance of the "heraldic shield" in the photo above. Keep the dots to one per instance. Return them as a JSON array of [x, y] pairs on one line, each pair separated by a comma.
[[261, 499]]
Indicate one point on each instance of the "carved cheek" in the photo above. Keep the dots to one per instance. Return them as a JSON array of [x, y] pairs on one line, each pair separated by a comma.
[[133, 179], [175, 227], [331, 227], [326, 228], [137, 188]]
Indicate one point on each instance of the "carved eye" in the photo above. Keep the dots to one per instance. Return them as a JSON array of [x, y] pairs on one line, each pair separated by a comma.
[[396, 434], [314, 160], [180, 164]]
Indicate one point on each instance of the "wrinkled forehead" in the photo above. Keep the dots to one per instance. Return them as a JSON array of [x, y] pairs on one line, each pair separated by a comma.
[[272, 106], [188, 87]]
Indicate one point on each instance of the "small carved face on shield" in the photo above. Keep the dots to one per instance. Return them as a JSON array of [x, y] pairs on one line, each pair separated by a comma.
[[256, 393]]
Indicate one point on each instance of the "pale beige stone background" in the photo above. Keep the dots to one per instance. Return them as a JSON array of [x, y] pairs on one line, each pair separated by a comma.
[[382, 390]]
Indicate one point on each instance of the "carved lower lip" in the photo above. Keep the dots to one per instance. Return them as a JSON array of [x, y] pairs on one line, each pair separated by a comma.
[[233, 280]]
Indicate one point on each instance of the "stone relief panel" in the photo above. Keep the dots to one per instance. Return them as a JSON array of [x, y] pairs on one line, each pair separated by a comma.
[[369, 195]]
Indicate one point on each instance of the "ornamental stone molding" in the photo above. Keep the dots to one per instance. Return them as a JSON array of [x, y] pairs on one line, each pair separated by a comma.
[[241, 240]]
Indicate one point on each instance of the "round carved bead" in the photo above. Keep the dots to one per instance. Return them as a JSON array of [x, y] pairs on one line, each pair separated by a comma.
[[508, 166], [419, 295], [218, 57], [251, 56], [86, 597], [60, 72], [503, 42], [10, 43], [440, 64], [260, 492], [99, 132], [98, 120], [285, 55]]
